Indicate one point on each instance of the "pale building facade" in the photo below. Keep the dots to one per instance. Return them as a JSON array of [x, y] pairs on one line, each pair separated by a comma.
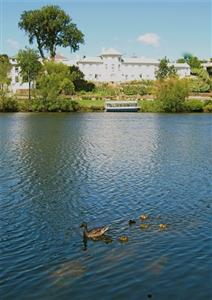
[[111, 66], [16, 80]]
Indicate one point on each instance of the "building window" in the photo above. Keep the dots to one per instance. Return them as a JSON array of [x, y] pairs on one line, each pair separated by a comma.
[[96, 76], [140, 75], [16, 79], [16, 69]]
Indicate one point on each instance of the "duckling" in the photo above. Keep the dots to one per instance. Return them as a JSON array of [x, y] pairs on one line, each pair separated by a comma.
[[131, 222], [123, 239], [144, 226], [144, 217], [93, 233], [163, 226]]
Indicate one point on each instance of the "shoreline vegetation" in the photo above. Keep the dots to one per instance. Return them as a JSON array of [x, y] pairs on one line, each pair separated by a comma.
[[95, 104], [56, 87]]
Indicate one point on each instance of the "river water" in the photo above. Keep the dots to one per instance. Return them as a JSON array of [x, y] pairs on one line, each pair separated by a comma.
[[58, 170]]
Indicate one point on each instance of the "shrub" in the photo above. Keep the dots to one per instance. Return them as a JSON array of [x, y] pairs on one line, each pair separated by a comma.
[[107, 90], [67, 87], [208, 108], [171, 93], [153, 106], [141, 88], [57, 105], [8, 104], [197, 85], [131, 89], [194, 105], [83, 85]]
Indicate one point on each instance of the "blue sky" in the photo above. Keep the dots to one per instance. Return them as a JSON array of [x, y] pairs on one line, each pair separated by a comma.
[[150, 28]]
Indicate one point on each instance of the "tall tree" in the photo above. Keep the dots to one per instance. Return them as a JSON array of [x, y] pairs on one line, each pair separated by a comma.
[[51, 27], [5, 68], [28, 61]]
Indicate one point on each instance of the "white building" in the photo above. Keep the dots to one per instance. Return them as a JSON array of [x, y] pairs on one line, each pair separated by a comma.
[[16, 80], [111, 66]]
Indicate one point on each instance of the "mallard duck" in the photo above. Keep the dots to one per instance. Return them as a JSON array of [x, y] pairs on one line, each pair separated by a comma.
[[144, 217], [123, 239], [163, 226], [93, 233], [144, 226], [131, 222]]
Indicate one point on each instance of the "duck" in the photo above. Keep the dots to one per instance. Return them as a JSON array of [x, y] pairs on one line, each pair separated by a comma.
[[131, 222], [144, 226], [93, 233], [123, 239], [163, 226], [144, 217]]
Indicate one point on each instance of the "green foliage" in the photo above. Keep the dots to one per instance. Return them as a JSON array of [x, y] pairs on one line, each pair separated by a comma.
[[54, 105], [194, 105], [28, 61], [67, 87], [203, 75], [51, 27], [76, 73], [54, 81], [197, 85], [164, 70], [171, 93], [181, 61], [83, 85], [208, 108], [107, 90], [5, 68], [80, 84], [192, 61], [152, 106], [140, 88], [8, 104], [201, 82]]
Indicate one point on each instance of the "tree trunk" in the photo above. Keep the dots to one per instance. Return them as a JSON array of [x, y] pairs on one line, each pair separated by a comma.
[[52, 52], [40, 48], [29, 89]]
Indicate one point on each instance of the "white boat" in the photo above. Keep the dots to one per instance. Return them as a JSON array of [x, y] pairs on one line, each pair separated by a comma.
[[121, 106]]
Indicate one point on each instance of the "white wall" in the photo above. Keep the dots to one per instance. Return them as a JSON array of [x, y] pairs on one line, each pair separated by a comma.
[[112, 68]]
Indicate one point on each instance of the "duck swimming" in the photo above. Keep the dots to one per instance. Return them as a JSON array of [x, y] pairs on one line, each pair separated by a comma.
[[93, 233], [131, 222], [144, 217], [163, 226], [123, 239]]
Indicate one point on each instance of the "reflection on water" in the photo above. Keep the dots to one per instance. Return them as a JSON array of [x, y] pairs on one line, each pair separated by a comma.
[[104, 239], [71, 269], [58, 170]]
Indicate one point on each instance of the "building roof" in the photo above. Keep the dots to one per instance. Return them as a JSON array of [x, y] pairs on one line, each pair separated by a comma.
[[90, 60], [140, 60], [179, 65], [60, 57], [110, 52], [207, 64]]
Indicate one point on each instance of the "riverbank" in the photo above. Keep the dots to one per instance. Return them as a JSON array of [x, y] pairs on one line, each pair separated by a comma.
[[11, 104]]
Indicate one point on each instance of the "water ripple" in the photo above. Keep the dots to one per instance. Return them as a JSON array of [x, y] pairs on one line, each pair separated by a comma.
[[58, 170]]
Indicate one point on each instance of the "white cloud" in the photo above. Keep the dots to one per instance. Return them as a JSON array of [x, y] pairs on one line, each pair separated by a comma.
[[15, 45], [151, 39]]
